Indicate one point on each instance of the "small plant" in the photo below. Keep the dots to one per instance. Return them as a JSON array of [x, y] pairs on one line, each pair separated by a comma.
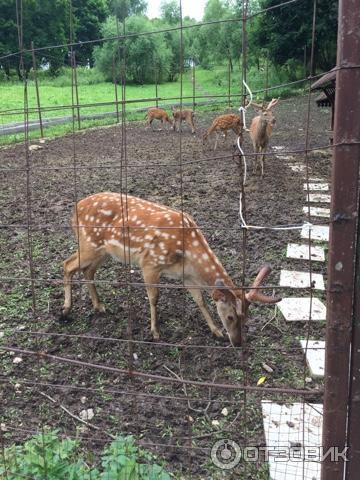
[[47, 456]]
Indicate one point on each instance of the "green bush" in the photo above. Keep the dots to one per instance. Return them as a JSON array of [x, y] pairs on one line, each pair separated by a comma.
[[47, 456]]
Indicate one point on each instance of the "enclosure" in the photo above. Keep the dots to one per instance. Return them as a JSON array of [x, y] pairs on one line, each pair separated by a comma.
[[95, 376]]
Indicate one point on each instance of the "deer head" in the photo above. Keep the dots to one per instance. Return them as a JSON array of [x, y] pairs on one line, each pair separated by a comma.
[[231, 309]]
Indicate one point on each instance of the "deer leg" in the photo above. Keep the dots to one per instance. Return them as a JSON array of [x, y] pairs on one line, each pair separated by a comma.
[[71, 265], [199, 299], [216, 139], [262, 159], [89, 273], [256, 160], [152, 276]]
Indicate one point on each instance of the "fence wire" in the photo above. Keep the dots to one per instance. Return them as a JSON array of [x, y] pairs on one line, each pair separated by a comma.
[[179, 395]]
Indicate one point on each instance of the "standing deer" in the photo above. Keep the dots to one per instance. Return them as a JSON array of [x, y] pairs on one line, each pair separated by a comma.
[[161, 241], [158, 114], [260, 131], [187, 115], [223, 123]]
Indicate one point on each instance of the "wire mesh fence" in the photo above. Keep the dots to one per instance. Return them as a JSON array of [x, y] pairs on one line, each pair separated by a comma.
[[204, 408]]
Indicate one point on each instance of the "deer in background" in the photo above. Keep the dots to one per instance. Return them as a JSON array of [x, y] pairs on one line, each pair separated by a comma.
[[187, 115], [260, 131], [158, 114], [223, 123], [161, 241]]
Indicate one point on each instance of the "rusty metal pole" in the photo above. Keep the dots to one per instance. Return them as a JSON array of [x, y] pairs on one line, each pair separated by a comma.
[[229, 83], [193, 85], [156, 85], [115, 90], [37, 89], [342, 319]]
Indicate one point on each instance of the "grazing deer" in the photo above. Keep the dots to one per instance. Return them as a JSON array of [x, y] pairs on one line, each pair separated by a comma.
[[187, 115], [158, 114], [223, 123], [161, 241], [260, 131]]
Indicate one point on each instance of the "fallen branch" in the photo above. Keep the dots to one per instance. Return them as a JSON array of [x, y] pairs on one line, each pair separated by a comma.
[[94, 427]]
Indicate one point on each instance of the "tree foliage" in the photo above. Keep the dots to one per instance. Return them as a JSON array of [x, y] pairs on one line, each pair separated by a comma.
[[286, 32], [146, 57]]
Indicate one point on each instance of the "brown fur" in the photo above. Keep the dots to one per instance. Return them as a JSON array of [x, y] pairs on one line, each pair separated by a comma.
[[223, 123], [185, 114], [260, 131], [158, 114], [161, 241]]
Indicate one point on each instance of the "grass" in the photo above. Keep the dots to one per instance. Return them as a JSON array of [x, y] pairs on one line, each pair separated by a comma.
[[97, 96]]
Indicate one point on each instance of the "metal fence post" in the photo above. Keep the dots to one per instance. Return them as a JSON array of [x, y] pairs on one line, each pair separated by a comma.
[[342, 319]]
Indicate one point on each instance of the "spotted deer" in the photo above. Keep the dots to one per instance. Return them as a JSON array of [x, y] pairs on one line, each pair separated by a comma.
[[260, 131], [158, 114], [223, 123], [161, 241], [185, 114]]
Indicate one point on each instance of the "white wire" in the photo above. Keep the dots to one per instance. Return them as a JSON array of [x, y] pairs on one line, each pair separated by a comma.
[[308, 225]]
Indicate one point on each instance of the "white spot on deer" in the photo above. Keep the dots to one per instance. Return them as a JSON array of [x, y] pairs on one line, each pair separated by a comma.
[[179, 242], [157, 232], [195, 243], [86, 217], [213, 267], [207, 270], [133, 218], [115, 243], [193, 234], [95, 203], [108, 213], [97, 220], [205, 256]]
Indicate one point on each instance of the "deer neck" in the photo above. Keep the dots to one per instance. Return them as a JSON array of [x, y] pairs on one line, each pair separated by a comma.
[[205, 268]]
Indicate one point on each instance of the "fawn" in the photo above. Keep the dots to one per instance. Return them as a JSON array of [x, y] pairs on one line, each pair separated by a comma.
[[187, 115], [158, 114], [161, 241], [260, 131], [223, 123]]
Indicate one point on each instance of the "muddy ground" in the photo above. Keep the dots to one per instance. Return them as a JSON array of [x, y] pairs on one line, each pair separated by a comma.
[[179, 431]]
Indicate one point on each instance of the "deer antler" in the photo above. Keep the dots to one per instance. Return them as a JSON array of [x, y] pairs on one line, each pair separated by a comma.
[[257, 105], [272, 104], [254, 295]]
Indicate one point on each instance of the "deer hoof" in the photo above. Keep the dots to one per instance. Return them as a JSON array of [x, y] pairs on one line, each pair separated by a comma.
[[218, 333], [100, 308], [155, 334]]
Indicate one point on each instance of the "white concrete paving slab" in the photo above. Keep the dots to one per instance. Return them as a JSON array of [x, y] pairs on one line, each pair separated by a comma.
[[294, 279], [297, 168], [324, 187], [289, 430], [300, 309], [318, 198], [294, 250], [317, 211], [314, 351], [318, 232]]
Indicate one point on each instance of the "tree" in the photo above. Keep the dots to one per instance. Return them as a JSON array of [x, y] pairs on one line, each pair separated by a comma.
[[8, 35], [124, 8], [146, 57], [286, 31], [170, 12], [88, 17]]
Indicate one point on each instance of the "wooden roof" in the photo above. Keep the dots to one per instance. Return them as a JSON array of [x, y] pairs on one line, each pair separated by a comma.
[[324, 80]]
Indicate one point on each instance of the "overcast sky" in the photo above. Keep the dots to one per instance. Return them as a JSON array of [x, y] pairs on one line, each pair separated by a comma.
[[191, 8]]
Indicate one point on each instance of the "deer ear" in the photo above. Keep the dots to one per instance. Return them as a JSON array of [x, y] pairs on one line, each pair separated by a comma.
[[219, 295]]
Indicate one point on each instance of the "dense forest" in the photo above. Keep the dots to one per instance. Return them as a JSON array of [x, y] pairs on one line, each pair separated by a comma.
[[281, 36]]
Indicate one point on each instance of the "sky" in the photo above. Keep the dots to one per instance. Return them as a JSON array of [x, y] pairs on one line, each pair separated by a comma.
[[191, 8]]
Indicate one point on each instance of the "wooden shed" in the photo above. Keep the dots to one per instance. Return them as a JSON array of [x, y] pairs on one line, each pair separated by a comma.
[[327, 96]]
